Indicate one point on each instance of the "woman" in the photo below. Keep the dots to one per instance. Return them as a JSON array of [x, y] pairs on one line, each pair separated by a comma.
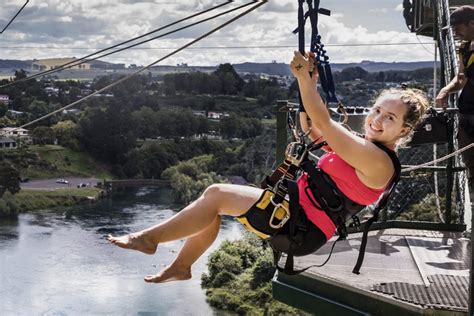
[[392, 118]]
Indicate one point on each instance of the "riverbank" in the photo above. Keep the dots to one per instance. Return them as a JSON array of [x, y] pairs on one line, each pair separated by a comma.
[[28, 199]]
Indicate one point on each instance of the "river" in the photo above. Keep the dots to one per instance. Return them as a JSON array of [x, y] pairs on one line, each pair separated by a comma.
[[57, 262]]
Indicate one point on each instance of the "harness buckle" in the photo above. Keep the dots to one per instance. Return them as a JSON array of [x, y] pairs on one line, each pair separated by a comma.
[[295, 153], [285, 218]]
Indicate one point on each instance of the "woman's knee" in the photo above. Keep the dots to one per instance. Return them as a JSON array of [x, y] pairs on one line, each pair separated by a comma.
[[213, 190]]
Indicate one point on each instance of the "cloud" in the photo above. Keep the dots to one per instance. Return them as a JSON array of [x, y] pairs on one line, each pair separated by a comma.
[[77, 27]]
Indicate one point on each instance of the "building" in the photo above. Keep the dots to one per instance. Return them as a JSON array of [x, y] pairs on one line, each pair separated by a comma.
[[53, 63], [7, 143], [4, 98], [216, 115], [16, 133]]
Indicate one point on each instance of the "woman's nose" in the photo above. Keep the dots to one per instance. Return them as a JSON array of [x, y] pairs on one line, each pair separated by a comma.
[[377, 119]]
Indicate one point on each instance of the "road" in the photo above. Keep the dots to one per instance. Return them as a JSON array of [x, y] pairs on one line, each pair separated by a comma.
[[48, 184]]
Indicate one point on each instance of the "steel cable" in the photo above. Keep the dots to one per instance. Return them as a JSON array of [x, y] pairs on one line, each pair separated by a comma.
[[84, 59], [257, 3]]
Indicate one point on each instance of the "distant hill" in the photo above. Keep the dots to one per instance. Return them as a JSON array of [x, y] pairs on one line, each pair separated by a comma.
[[15, 64], [370, 66], [273, 68]]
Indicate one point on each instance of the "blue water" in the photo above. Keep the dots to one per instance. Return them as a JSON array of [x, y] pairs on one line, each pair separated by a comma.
[[57, 262]]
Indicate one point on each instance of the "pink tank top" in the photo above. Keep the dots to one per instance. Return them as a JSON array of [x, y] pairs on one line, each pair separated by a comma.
[[345, 177]]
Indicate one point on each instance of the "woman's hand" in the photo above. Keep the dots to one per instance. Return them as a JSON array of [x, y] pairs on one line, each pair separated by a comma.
[[301, 66]]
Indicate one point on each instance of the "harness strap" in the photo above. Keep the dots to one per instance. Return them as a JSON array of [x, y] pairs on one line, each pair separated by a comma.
[[380, 206], [324, 68], [294, 226]]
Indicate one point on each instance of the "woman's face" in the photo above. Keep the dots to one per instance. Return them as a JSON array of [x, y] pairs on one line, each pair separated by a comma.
[[385, 121]]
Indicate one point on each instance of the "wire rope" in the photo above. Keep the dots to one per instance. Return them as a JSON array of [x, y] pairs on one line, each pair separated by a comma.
[[257, 4], [84, 59], [14, 17]]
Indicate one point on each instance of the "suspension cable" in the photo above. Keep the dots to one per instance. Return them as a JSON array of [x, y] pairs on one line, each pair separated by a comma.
[[14, 17], [454, 153], [257, 3], [84, 59]]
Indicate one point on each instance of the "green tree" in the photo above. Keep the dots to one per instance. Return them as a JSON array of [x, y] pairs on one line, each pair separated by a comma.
[[231, 82], [190, 178], [3, 109], [43, 135], [239, 279], [352, 73], [66, 133], [10, 179]]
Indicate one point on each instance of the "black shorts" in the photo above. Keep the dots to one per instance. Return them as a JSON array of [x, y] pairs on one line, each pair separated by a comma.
[[307, 236]]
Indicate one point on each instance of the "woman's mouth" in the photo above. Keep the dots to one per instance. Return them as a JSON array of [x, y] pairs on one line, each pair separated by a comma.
[[372, 128]]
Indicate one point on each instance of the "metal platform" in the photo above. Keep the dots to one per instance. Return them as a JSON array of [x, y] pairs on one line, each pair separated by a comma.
[[405, 271]]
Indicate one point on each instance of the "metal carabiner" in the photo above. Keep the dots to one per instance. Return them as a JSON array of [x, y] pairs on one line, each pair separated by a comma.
[[273, 216]]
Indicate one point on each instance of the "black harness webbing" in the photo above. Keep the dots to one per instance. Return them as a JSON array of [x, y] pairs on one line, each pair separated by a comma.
[[379, 207], [324, 68]]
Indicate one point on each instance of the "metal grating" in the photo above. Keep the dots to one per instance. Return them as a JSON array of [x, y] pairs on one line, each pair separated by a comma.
[[445, 291]]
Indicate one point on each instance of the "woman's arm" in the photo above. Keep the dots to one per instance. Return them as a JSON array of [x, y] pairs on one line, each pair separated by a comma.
[[374, 167]]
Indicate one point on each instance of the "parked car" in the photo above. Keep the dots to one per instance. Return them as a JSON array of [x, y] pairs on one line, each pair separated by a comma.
[[62, 181], [81, 185]]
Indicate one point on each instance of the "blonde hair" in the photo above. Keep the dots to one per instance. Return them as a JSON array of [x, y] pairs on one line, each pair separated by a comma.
[[417, 103]]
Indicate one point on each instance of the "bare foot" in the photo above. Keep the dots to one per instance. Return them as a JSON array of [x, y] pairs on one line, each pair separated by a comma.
[[135, 241], [170, 273]]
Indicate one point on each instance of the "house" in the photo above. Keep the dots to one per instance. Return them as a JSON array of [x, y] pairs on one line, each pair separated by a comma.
[[72, 111], [216, 115], [16, 133], [15, 114], [4, 98], [200, 113], [51, 91], [7, 143]]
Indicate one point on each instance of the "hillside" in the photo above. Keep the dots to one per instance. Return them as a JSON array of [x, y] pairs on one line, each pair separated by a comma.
[[276, 69], [57, 161]]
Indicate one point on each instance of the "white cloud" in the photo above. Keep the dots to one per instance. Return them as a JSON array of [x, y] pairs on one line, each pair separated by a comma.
[[399, 8], [77, 27], [378, 10]]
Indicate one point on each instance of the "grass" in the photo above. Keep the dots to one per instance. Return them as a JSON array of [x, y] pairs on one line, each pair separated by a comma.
[[66, 162], [28, 200]]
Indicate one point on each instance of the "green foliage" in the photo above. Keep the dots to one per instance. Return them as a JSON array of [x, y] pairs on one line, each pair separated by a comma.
[[236, 126], [3, 109], [28, 200], [426, 210], [67, 133], [107, 133], [190, 178], [10, 178], [57, 161], [43, 135], [239, 279]]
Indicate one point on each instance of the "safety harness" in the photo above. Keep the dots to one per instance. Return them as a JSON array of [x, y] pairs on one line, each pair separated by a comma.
[[286, 230]]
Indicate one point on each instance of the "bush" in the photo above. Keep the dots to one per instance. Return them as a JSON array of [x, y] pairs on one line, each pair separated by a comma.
[[263, 270], [239, 279]]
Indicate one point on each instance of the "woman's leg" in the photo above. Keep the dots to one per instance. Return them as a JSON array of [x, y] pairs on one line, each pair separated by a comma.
[[218, 199], [194, 247]]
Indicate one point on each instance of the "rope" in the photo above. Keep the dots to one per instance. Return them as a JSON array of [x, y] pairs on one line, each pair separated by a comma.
[[258, 4], [439, 159], [83, 60], [14, 17]]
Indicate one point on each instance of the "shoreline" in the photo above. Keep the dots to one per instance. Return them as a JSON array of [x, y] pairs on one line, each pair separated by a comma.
[[34, 199]]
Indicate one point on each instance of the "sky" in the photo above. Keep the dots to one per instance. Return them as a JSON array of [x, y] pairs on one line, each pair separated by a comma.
[[357, 30]]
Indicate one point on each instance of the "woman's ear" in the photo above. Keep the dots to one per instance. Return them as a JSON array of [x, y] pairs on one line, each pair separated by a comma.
[[405, 131]]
